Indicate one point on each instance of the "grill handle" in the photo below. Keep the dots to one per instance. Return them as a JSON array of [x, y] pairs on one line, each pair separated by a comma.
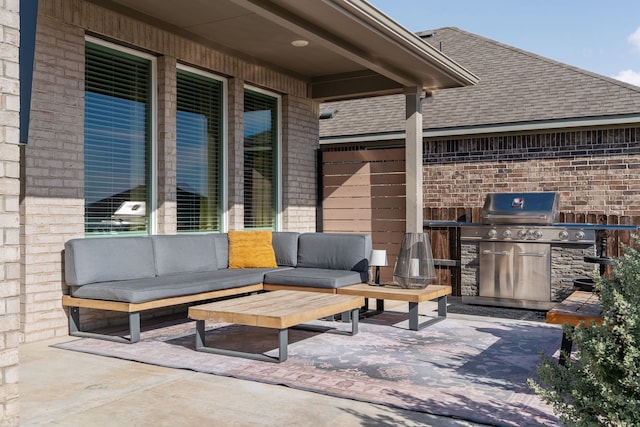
[[512, 217], [488, 252], [538, 254]]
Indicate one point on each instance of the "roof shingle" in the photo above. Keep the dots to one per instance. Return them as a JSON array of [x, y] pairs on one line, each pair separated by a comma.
[[515, 86]]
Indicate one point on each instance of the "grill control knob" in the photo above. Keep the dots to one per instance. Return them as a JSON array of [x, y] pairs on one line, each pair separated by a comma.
[[506, 234], [579, 235], [492, 233], [564, 235], [522, 233], [537, 234]]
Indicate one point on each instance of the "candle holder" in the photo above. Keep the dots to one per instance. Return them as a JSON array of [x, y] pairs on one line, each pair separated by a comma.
[[414, 267]]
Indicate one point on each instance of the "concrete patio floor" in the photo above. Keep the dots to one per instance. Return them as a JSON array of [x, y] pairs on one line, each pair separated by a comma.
[[66, 388]]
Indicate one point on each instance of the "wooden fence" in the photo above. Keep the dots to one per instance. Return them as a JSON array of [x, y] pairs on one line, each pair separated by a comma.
[[364, 191]]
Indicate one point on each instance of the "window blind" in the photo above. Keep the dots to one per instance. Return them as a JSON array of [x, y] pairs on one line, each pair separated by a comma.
[[116, 140], [199, 136], [260, 146]]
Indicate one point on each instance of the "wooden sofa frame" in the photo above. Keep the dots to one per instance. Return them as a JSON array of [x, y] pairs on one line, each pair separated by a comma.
[[134, 309]]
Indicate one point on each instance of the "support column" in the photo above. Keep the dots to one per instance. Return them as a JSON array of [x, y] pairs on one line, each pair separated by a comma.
[[413, 159]]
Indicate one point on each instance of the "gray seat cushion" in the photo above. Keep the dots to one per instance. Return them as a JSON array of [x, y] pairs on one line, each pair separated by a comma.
[[107, 259], [285, 246], [334, 251], [221, 242], [184, 254], [315, 277], [149, 289]]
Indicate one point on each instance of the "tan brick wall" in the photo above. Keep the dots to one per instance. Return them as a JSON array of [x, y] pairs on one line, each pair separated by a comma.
[[300, 118], [53, 200], [52, 204], [9, 212], [167, 163], [595, 171], [235, 159]]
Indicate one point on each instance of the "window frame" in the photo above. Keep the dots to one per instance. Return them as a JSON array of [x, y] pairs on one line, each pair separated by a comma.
[[152, 143], [277, 226], [224, 155]]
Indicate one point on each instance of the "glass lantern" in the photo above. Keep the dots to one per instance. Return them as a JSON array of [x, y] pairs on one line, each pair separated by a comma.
[[414, 267]]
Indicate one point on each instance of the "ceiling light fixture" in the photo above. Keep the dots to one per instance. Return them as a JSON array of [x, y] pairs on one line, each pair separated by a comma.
[[300, 43]]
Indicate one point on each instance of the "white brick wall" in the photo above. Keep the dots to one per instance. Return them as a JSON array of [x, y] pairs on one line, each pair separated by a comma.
[[9, 212]]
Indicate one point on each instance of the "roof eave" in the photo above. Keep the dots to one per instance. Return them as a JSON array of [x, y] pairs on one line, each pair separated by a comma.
[[414, 63], [409, 42], [470, 131]]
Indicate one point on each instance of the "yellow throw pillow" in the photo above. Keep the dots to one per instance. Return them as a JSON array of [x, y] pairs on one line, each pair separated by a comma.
[[251, 249]]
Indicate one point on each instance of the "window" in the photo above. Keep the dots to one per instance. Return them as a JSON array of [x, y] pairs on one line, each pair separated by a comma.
[[117, 140], [261, 137], [199, 132]]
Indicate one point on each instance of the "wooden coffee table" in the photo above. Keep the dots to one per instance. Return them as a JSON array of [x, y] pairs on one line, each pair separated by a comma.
[[278, 310], [412, 296]]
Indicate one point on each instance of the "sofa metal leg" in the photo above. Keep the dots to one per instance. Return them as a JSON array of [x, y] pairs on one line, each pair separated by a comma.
[[134, 326], [74, 320], [75, 331], [200, 340]]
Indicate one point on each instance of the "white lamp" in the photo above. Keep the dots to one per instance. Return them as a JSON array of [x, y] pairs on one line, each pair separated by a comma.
[[378, 259]]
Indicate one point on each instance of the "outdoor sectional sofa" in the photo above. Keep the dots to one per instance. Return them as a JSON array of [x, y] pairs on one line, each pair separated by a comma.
[[135, 274]]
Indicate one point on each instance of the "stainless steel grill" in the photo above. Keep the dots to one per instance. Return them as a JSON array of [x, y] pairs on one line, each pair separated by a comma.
[[514, 241], [526, 217]]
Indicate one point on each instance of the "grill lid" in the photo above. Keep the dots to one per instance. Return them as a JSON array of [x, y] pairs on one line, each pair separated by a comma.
[[520, 208]]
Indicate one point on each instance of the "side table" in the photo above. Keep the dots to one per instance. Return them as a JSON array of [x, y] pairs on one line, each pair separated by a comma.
[[413, 296]]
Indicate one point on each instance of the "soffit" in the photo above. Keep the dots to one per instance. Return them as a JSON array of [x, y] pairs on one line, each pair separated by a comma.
[[354, 50]]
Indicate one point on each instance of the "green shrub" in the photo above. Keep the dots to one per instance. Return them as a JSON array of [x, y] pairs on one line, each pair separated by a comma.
[[600, 386]]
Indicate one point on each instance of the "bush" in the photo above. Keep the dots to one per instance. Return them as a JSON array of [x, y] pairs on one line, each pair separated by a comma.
[[600, 386]]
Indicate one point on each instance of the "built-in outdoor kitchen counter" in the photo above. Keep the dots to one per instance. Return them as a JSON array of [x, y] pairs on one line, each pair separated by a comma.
[[520, 256]]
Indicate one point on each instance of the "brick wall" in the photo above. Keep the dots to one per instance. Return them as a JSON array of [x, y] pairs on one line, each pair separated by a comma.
[[53, 200], [595, 171], [299, 186], [52, 204], [167, 162], [9, 212], [235, 162]]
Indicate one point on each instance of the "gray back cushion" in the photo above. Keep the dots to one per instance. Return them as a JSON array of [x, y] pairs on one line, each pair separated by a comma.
[[285, 246], [221, 242], [184, 254], [334, 251], [107, 259]]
